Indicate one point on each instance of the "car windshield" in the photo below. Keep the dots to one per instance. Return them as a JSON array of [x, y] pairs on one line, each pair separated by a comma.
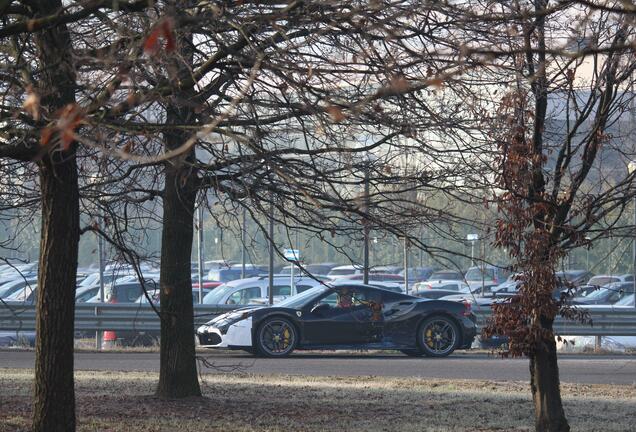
[[300, 300], [215, 296]]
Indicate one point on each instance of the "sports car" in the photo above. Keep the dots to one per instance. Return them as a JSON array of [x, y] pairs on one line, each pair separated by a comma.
[[345, 316]]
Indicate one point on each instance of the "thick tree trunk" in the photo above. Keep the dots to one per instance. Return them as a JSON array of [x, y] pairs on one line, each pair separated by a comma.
[[54, 396], [546, 391], [54, 393], [178, 370]]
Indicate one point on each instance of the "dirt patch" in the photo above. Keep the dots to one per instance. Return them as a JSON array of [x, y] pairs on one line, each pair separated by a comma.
[[118, 401]]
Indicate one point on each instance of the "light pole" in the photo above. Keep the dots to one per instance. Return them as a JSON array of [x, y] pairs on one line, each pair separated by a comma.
[[365, 227], [243, 238], [200, 250], [94, 179], [631, 167], [270, 278], [472, 238], [406, 265]]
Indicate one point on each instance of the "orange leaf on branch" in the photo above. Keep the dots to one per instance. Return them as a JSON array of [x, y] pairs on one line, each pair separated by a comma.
[[68, 120], [32, 103], [163, 30], [335, 113]]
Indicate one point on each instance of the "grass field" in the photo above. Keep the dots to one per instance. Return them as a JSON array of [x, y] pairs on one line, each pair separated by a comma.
[[121, 401]]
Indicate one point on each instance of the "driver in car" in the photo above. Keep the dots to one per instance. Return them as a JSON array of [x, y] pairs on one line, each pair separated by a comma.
[[345, 299]]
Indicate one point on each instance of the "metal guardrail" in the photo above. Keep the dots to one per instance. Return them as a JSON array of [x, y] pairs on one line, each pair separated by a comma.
[[103, 316], [607, 321]]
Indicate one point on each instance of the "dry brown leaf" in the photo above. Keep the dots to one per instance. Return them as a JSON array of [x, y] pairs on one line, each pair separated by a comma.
[[32, 103], [335, 113]]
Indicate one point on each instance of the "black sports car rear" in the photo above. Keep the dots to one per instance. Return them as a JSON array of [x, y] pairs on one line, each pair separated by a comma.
[[345, 316]]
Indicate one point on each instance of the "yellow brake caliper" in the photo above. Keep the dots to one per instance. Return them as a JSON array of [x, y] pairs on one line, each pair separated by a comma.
[[429, 338], [286, 336]]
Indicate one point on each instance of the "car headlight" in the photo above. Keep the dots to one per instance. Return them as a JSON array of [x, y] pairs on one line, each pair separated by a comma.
[[223, 323]]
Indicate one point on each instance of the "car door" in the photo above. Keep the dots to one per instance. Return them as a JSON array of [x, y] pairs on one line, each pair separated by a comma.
[[335, 322]]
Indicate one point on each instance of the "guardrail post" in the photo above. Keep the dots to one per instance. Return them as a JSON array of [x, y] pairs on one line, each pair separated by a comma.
[[98, 335], [597, 343]]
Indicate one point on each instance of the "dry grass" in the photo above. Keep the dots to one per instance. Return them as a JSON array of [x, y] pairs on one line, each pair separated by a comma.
[[122, 401]]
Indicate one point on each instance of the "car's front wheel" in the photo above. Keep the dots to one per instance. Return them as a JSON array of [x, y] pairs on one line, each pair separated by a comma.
[[276, 337], [438, 336]]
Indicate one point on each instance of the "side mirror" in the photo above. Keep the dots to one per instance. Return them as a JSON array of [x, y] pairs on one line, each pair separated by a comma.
[[320, 308]]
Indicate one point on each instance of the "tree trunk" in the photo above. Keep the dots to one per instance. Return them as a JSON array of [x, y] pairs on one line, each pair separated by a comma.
[[54, 393], [178, 369], [546, 392]]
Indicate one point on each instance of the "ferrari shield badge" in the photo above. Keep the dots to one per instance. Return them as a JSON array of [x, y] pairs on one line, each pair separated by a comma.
[[299, 313]]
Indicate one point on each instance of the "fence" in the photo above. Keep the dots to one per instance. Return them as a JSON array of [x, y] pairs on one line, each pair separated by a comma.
[[103, 316], [606, 321]]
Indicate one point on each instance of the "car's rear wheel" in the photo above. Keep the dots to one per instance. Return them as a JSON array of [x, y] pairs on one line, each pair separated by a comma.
[[438, 336], [276, 337]]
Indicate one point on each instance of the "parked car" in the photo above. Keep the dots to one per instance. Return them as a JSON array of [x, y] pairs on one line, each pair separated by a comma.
[[418, 274], [602, 280], [218, 264], [486, 274], [509, 287], [345, 316], [206, 284], [439, 289], [18, 269], [230, 274], [388, 269], [450, 285], [627, 300], [155, 295], [575, 277], [83, 294], [26, 294], [92, 279], [376, 277], [124, 292], [389, 286], [243, 291], [607, 295], [8, 289], [344, 270], [446, 275], [313, 269]]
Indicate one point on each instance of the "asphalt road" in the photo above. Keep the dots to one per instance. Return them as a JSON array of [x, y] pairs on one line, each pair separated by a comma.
[[573, 368]]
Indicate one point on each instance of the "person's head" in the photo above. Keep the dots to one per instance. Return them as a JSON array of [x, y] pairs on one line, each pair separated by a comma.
[[345, 297]]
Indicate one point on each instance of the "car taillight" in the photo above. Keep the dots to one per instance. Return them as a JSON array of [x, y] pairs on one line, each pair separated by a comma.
[[467, 308], [429, 286]]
